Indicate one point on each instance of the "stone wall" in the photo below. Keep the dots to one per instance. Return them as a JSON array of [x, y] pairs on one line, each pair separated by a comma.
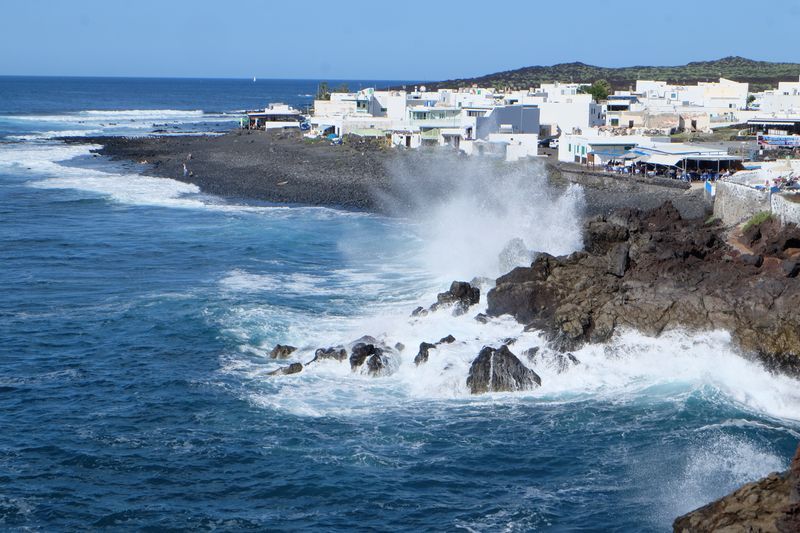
[[785, 209], [734, 203]]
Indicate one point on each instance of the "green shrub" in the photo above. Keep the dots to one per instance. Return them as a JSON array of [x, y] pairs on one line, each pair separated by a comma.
[[758, 218]]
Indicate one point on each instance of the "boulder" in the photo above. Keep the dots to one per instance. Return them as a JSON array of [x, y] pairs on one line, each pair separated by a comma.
[[447, 340], [293, 368], [752, 260], [791, 268], [422, 355], [499, 370], [360, 352], [337, 354], [282, 351], [461, 296]]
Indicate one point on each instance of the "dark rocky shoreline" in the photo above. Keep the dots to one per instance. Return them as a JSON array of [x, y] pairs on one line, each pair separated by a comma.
[[362, 174]]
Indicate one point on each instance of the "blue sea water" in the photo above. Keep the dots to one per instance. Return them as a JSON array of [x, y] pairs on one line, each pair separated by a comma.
[[137, 315]]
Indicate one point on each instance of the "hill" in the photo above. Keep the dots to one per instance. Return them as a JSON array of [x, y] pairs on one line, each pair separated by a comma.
[[760, 74]]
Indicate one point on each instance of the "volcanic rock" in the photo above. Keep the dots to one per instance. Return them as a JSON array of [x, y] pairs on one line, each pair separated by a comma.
[[282, 351], [679, 274], [500, 371], [338, 354], [422, 355], [293, 368], [771, 504], [461, 296]]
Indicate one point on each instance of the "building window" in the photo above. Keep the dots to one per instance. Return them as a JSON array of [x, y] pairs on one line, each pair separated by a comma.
[[569, 147]]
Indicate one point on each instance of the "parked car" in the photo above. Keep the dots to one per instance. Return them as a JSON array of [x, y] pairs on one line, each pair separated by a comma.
[[553, 143]]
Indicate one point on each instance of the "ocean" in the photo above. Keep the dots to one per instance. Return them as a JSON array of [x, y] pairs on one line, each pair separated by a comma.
[[137, 316]]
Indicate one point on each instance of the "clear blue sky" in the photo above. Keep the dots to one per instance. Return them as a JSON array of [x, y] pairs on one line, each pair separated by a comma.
[[381, 39]]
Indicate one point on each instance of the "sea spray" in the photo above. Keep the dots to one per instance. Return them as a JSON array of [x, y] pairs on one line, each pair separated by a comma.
[[466, 211]]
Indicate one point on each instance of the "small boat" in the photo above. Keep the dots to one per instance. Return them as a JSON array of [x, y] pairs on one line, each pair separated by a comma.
[[254, 79]]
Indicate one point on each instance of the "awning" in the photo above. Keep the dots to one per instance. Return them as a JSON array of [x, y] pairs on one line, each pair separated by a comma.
[[663, 159]]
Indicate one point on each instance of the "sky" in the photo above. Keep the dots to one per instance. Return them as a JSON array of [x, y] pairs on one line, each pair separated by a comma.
[[379, 39]]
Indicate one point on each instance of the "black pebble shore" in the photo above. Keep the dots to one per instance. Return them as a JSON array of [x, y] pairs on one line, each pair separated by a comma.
[[279, 166]]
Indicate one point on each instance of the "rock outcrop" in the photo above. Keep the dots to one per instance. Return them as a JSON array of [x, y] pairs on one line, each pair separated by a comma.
[[652, 271], [460, 297], [771, 504], [282, 351], [499, 370], [294, 368]]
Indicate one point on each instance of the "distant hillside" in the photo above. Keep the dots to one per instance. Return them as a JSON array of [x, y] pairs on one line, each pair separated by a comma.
[[760, 74]]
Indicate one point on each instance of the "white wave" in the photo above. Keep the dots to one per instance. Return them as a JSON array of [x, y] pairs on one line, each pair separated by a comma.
[[671, 368], [110, 115], [42, 161]]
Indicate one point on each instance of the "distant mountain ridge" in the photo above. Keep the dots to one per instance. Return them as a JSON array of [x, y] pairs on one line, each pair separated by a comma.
[[759, 74]]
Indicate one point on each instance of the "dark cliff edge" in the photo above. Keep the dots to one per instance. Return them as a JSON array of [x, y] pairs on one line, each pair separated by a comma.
[[652, 271]]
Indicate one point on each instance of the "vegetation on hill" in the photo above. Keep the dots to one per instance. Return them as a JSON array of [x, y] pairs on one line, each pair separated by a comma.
[[760, 74]]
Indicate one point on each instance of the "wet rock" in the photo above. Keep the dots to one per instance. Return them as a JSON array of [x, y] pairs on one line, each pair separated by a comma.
[[770, 504], [481, 318], [377, 363], [461, 296], [337, 354], [508, 341], [399, 346], [677, 274], [499, 370], [293, 368], [422, 355], [419, 311], [359, 353], [447, 340], [282, 351]]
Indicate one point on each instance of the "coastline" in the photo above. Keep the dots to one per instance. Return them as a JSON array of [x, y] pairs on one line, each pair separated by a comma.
[[361, 174]]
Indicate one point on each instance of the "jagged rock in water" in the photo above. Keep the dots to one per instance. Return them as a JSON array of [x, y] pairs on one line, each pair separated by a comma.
[[359, 353], [508, 341], [282, 351], [447, 340], [500, 371], [461, 296], [378, 363], [380, 359], [422, 355], [419, 311], [481, 318], [293, 368], [399, 346], [338, 354], [771, 504]]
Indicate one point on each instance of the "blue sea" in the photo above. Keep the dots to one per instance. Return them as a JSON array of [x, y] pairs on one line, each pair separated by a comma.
[[137, 316]]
